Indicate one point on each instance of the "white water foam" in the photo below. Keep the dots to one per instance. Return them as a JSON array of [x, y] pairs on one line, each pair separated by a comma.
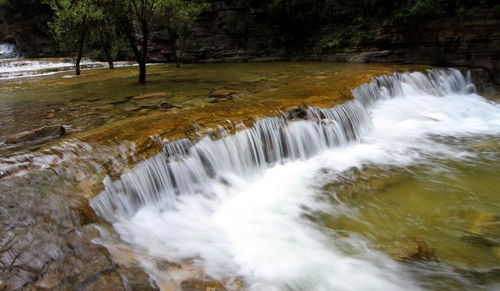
[[8, 51], [18, 68], [22, 68], [240, 212]]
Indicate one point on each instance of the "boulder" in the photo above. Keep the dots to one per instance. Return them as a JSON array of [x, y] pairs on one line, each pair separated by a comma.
[[297, 113]]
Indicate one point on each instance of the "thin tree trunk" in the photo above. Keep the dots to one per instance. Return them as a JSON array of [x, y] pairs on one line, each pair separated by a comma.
[[182, 42], [174, 54], [81, 43], [142, 72], [77, 63], [144, 51], [109, 59], [132, 40], [173, 47]]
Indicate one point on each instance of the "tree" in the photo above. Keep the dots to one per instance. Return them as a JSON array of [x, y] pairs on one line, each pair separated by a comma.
[[72, 25], [138, 19], [106, 34], [180, 16]]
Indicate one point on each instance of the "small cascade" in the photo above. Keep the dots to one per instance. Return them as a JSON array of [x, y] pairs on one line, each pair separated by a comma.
[[187, 168], [9, 51], [17, 68]]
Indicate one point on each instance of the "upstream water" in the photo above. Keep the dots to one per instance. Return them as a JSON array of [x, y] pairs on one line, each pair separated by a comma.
[[398, 188]]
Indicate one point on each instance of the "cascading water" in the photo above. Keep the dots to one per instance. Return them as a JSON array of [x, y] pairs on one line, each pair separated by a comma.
[[8, 51], [237, 204], [16, 68]]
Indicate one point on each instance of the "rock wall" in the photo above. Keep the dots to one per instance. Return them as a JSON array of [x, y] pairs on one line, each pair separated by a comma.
[[471, 41], [31, 40]]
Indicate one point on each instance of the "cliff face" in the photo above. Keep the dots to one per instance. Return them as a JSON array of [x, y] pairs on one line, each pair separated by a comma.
[[31, 40], [471, 41]]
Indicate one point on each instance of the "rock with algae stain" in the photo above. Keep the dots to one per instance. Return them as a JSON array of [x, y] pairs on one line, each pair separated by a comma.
[[411, 249]]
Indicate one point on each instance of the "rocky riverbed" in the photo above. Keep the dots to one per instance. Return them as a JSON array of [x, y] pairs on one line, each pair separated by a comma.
[[109, 124]]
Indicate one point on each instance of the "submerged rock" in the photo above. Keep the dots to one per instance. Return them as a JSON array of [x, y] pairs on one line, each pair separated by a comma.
[[411, 249], [297, 113], [164, 105], [149, 95], [40, 134], [486, 225], [479, 241], [221, 94], [201, 285]]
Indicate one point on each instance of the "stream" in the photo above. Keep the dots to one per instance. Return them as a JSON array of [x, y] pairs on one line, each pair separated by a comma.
[[396, 188]]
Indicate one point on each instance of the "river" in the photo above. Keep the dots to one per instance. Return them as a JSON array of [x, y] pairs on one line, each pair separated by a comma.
[[394, 189]]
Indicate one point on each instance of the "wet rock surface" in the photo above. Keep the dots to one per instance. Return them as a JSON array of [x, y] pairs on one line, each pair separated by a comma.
[[41, 134], [98, 267], [411, 249], [45, 239]]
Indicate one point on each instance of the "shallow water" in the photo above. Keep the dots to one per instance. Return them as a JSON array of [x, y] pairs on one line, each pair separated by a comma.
[[336, 200], [339, 215], [102, 96]]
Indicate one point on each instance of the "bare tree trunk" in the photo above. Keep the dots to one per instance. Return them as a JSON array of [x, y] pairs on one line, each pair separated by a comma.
[[182, 42], [81, 43], [77, 64], [142, 72], [173, 46], [174, 54], [127, 28], [109, 59], [144, 51]]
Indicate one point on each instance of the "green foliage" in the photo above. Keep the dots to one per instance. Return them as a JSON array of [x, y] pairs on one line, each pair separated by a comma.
[[362, 38], [235, 23], [181, 14], [72, 21], [34, 12], [179, 17], [294, 20], [338, 40], [418, 11], [415, 12]]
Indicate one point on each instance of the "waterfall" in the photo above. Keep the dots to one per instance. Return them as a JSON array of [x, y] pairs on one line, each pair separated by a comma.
[[238, 206], [8, 51], [186, 168]]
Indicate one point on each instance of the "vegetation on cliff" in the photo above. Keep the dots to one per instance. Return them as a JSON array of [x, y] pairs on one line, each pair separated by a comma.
[[127, 29]]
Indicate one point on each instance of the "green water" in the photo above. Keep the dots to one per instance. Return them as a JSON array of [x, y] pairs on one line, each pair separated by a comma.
[[101, 96], [450, 207]]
